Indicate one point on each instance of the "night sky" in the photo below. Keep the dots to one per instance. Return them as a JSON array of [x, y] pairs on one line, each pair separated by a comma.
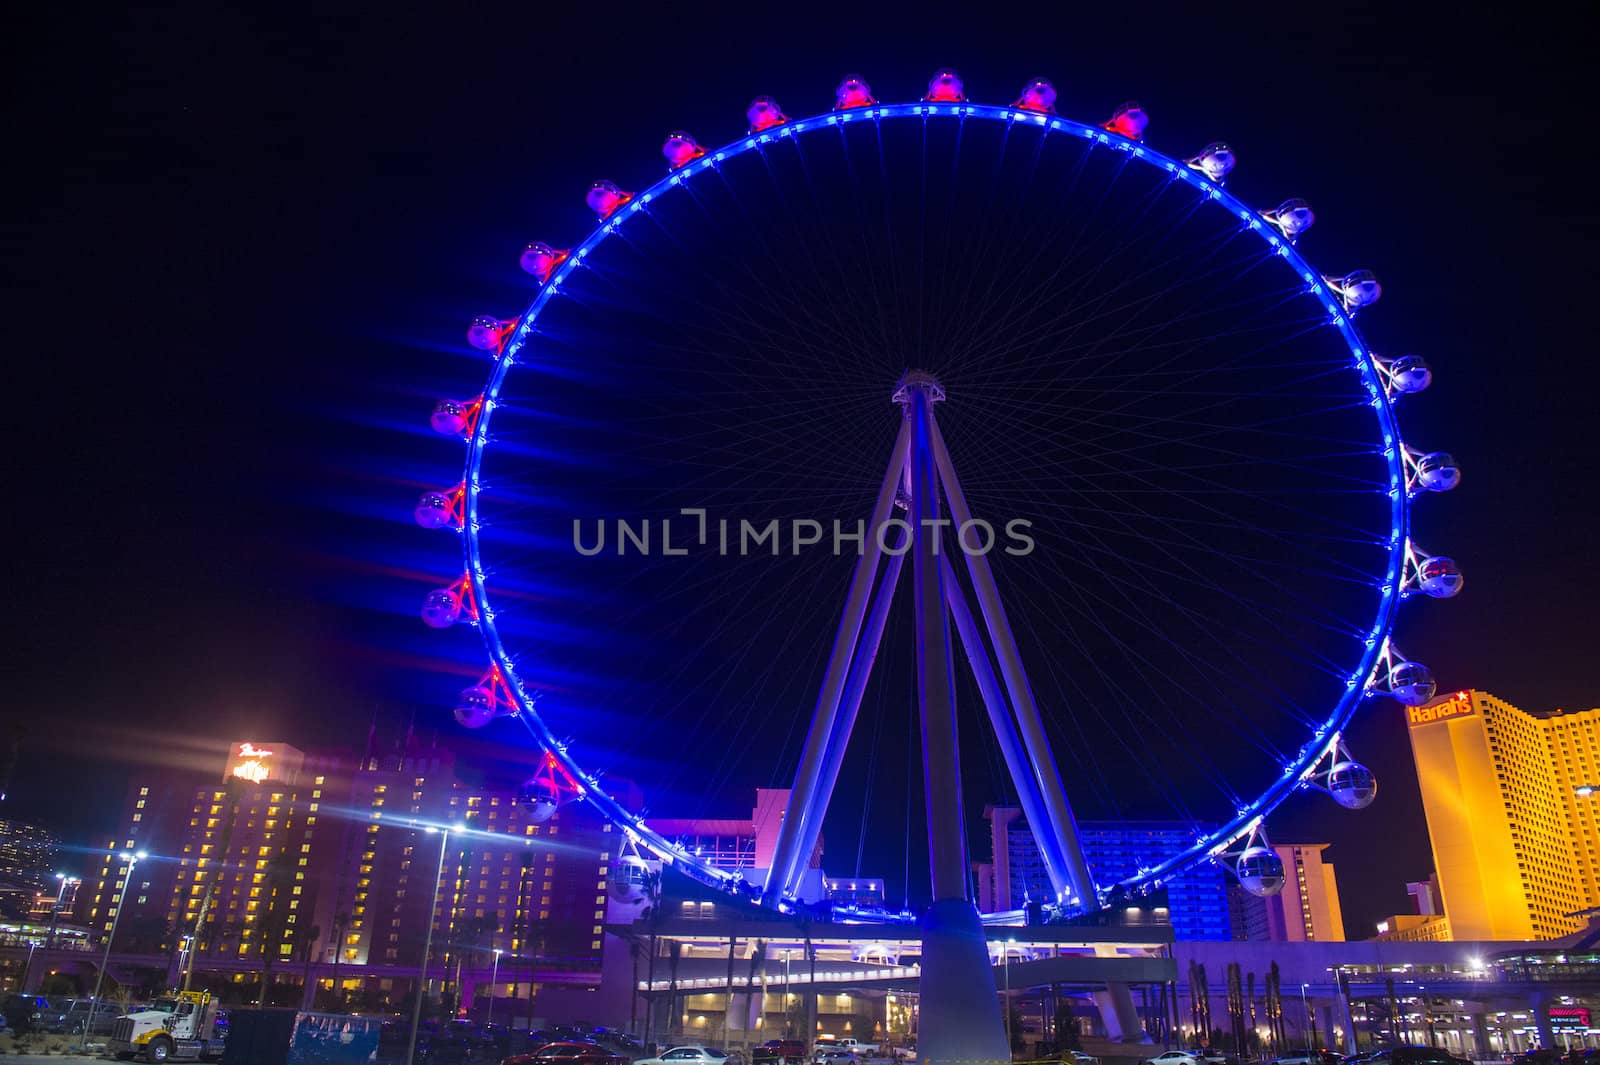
[[243, 250]]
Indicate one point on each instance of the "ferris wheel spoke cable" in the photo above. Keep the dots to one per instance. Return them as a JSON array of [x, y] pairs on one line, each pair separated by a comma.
[[1114, 730], [1094, 356], [711, 706], [1088, 306], [865, 261], [1067, 360], [834, 324], [1276, 502], [1092, 416], [1190, 576], [1209, 485], [1311, 657], [800, 237], [1187, 744], [1053, 281], [712, 320], [773, 301], [1215, 631], [902, 327], [975, 271], [1124, 529], [1066, 253], [1015, 196]]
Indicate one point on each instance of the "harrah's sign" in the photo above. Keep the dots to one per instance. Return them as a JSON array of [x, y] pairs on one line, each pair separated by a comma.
[[1458, 705], [253, 763]]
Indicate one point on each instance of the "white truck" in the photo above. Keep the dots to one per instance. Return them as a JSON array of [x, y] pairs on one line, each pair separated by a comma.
[[180, 1027]]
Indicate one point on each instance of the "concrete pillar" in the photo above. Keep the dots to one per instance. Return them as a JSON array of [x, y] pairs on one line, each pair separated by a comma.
[[1118, 1012], [1346, 1016], [1541, 1020], [1480, 1038]]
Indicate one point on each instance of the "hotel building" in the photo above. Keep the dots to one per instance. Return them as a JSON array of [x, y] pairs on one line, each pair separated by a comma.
[[1511, 815], [327, 861]]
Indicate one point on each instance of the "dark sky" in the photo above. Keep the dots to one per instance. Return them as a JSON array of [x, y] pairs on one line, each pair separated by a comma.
[[241, 250]]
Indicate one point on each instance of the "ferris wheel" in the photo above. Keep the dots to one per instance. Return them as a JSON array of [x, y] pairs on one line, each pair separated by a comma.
[[1146, 469]]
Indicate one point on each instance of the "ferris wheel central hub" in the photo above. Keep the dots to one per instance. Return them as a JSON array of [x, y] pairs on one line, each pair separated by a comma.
[[918, 381]]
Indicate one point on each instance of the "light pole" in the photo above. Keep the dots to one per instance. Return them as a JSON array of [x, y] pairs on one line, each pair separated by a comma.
[[55, 911], [494, 975], [1007, 1004], [122, 896], [427, 948], [786, 1033], [1305, 1005], [33, 945]]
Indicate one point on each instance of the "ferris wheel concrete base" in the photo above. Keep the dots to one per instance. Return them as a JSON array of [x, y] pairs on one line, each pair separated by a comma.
[[960, 1006]]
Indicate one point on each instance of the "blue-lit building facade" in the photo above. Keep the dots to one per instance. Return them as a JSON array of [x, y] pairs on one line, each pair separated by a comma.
[[1198, 900]]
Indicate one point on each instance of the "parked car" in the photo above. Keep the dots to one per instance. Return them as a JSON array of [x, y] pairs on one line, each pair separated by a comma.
[[1197, 1056], [24, 1013], [778, 1052], [687, 1056], [1413, 1055], [1176, 1057], [832, 1055], [1078, 1057], [570, 1052], [1309, 1057], [855, 1046], [70, 1021]]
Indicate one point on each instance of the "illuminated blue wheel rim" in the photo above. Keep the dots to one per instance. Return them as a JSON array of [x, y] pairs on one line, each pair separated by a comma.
[[1382, 575]]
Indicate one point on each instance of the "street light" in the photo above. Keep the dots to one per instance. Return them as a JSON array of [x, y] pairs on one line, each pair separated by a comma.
[[1007, 948], [427, 947], [122, 896], [494, 975], [55, 911], [786, 1010], [1583, 791], [33, 945], [1307, 1007]]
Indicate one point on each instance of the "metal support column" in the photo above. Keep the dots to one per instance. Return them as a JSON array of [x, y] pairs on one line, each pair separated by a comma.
[[960, 1009], [849, 706], [786, 856], [1061, 821], [1005, 731]]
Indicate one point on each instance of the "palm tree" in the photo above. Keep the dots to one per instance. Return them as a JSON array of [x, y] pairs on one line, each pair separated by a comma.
[[652, 887], [674, 956], [308, 945], [274, 922], [341, 925], [476, 932], [810, 1033]]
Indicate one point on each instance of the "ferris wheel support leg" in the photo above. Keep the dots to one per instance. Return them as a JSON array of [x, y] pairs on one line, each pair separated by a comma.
[[960, 1010], [850, 706], [1005, 731], [1048, 778], [786, 857], [941, 753]]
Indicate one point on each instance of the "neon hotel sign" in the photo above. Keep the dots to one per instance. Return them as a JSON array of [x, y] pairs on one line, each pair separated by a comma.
[[1458, 705], [253, 763]]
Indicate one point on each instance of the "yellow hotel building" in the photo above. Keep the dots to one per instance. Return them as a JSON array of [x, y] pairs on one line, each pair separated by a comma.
[[1514, 840]]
